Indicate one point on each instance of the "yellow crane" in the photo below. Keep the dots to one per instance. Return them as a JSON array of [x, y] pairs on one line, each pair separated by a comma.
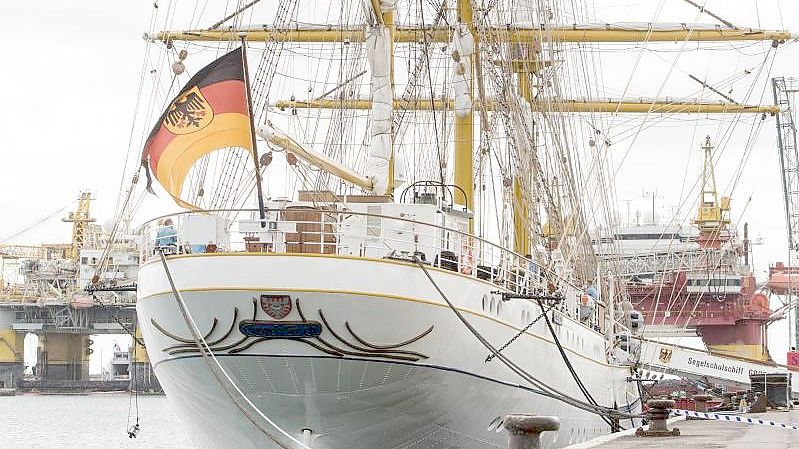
[[713, 216], [80, 220]]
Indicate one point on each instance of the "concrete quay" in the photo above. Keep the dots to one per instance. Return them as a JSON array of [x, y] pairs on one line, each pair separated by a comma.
[[709, 434]]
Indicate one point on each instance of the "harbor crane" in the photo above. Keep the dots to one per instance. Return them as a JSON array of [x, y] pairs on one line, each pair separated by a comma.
[[782, 278]]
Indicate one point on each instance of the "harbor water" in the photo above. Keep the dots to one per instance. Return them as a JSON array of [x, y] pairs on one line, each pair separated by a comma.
[[96, 421]]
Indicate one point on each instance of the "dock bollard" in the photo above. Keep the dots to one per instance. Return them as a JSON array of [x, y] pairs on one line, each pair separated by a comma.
[[524, 431], [700, 404], [658, 413]]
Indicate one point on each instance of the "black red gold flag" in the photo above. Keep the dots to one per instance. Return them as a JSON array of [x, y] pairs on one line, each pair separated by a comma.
[[210, 113]]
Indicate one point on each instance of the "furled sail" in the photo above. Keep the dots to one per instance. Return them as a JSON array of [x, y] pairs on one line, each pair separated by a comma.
[[463, 48], [378, 50], [210, 113]]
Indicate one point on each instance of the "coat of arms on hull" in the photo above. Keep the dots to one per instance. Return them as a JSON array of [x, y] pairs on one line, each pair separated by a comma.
[[276, 306], [317, 334], [665, 355]]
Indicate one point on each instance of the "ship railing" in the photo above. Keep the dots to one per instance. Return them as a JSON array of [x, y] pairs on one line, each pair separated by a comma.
[[357, 234], [623, 347]]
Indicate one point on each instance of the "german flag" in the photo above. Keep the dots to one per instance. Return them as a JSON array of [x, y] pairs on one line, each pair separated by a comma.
[[210, 113]]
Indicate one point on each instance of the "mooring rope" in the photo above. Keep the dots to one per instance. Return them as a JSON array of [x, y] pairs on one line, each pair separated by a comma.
[[544, 389], [133, 397], [242, 402]]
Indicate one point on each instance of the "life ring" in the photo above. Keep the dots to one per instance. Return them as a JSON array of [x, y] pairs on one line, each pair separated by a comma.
[[467, 259]]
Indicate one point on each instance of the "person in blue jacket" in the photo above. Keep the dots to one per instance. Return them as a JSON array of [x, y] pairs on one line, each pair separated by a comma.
[[167, 237]]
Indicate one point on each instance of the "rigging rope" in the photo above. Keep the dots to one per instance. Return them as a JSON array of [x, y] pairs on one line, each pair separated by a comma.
[[568, 363], [36, 223], [133, 397], [234, 14], [119, 219], [546, 390]]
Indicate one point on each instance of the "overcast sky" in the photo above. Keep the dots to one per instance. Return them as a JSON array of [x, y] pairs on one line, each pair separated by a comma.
[[71, 70]]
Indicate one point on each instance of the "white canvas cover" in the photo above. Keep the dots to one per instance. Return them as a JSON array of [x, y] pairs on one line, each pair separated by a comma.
[[462, 51], [378, 50]]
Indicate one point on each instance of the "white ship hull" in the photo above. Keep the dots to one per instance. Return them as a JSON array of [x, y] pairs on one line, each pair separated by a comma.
[[431, 388]]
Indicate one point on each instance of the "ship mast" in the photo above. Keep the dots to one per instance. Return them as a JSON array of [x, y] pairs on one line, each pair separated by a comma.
[[574, 34], [256, 162], [463, 156], [464, 125], [388, 21], [611, 106]]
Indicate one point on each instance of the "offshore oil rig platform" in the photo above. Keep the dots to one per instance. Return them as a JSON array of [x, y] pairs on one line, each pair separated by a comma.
[[44, 291], [697, 281]]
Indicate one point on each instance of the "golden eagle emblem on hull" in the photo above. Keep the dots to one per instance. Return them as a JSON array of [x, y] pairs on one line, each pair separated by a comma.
[[665, 355], [189, 112]]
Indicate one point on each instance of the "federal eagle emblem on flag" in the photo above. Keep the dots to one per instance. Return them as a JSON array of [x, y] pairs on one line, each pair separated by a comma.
[[189, 112]]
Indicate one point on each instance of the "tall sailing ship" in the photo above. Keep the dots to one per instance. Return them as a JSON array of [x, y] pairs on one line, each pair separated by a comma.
[[387, 235]]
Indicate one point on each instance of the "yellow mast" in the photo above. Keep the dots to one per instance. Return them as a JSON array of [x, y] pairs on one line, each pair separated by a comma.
[[573, 106], [386, 18], [464, 127], [528, 65], [388, 21], [608, 33], [521, 219]]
